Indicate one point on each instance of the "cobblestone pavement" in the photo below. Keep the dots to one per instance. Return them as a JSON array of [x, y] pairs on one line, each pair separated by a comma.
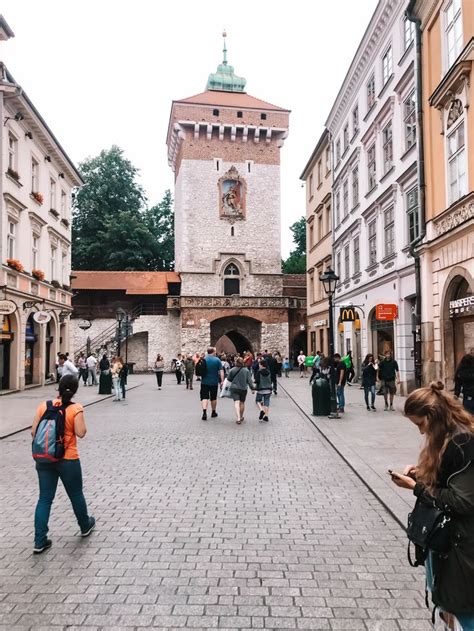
[[204, 525]]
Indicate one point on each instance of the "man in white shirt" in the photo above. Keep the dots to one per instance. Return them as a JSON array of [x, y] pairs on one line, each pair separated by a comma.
[[91, 362], [66, 367], [301, 363]]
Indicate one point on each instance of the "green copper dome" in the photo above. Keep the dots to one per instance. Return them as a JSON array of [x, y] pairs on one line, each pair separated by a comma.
[[224, 79]]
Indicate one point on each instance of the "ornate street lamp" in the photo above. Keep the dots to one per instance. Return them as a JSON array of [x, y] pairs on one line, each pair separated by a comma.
[[329, 280], [119, 316]]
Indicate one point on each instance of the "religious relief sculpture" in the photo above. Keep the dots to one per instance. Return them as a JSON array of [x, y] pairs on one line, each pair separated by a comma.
[[232, 195]]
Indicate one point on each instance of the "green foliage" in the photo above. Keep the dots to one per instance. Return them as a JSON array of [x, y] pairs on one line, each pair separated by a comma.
[[296, 262], [111, 229]]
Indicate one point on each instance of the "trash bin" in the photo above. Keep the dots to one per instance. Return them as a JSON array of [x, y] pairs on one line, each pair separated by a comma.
[[321, 394], [130, 366]]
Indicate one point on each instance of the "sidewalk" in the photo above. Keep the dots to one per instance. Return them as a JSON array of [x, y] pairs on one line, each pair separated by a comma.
[[370, 442], [17, 410]]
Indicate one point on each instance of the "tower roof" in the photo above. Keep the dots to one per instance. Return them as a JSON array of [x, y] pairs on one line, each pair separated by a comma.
[[225, 99], [224, 78]]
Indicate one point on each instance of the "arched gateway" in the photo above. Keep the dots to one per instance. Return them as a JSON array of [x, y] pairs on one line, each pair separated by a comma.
[[236, 334]]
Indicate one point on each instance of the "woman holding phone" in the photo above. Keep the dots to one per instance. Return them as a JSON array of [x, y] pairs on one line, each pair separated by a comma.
[[445, 474]]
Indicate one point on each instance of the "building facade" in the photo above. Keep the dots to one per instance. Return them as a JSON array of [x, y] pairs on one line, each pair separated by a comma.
[[317, 176], [447, 251], [36, 179], [372, 125]]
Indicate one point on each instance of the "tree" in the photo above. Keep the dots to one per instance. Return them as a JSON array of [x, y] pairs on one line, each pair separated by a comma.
[[159, 220], [296, 262]]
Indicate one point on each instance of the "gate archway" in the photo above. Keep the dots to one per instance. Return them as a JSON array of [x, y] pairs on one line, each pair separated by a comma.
[[236, 334]]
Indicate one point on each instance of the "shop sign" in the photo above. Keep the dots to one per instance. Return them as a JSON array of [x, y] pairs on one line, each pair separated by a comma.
[[348, 314], [386, 312], [42, 317], [84, 324], [320, 323], [461, 306], [302, 327], [7, 307]]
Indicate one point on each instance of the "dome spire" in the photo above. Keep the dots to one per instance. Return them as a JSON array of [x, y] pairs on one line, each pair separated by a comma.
[[224, 79]]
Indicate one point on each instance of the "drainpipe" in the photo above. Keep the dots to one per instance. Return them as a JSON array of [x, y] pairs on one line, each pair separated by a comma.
[[414, 245]]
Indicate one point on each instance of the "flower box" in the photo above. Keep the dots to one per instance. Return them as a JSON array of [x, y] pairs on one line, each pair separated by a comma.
[[38, 274], [14, 174], [65, 222], [38, 197], [56, 283], [54, 212], [15, 264]]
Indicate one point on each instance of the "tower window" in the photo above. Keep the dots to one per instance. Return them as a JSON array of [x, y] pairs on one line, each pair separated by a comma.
[[231, 280], [263, 117], [215, 112], [239, 114], [232, 231], [217, 165]]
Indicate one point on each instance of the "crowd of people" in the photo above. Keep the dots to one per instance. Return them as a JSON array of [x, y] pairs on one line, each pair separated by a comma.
[[109, 374]]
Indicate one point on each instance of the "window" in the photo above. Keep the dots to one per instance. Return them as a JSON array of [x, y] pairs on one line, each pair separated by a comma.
[[373, 242], [52, 193], [387, 141], [53, 263], [12, 152], [346, 263], [263, 117], [338, 264], [311, 186], [320, 172], [231, 280], [328, 218], [408, 33], [409, 120], [311, 289], [239, 114], [345, 137], [311, 236], [215, 112], [34, 176], [320, 226], [412, 214], [328, 160], [371, 168], [338, 152], [355, 186], [371, 93], [356, 255], [11, 238], [387, 65], [389, 232], [63, 205], [337, 207], [34, 251], [345, 197], [453, 31], [355, 120], [64, 278], [456, 164]]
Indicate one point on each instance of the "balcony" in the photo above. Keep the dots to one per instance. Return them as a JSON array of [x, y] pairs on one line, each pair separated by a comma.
[[235, 302]]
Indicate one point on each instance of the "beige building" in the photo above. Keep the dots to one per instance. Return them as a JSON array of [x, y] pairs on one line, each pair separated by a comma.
[[317, 177], [36, 182], [447, 253]]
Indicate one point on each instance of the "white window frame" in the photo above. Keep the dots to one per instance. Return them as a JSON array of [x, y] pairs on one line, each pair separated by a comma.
[[338, 151], [389, 231], [11, 238], [356, 243], [35, 248], [371, 167], [409, 119], [387, 147], [387, 65], [53, 192], [457, 187], [370, 92], [355, 120], [63, 204], [34, 175], [320, 172], [12, 151], [345, 197], [53, 262], [347, 262], [337, 207], [412, 211], [64, 266], [328, 160], [372, 241], [450, 25], [338, 265], [355, 186], [345, 137], [408, 33]]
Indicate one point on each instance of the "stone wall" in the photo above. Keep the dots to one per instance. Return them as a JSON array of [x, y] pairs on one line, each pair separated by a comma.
[[275, 337]]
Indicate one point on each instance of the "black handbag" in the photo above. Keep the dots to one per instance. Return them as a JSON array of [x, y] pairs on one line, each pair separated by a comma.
[[429, 528]]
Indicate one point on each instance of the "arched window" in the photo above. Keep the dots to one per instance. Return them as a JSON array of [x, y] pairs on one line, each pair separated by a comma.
[[231, 280]]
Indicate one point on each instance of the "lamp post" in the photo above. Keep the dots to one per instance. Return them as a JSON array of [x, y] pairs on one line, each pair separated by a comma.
[[119, 316], [329, 280]]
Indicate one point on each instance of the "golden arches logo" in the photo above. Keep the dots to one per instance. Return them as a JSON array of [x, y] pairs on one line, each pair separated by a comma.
[[348, 314]]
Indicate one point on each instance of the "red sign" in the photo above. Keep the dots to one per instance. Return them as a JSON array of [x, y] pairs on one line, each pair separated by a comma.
[[386, 312]]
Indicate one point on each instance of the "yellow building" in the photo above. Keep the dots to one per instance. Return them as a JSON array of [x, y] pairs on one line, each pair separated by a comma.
[[447, 251]]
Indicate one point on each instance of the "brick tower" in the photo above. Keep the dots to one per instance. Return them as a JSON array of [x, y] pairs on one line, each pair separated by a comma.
[[224, 148]]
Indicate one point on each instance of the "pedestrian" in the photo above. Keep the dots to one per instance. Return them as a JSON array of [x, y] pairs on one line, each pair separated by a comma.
[[105, 376], [350, 367], [225, 365], [66, 366], [301, 359], [444, 477], [189, 371], [369, 379], [178, 368], [273, 368], [67, 469], [240, 378], [82, 366], [117, 365], [263, 383], [464, 381], [340, 372], [58, 368], [388, 372], [91, 362], [248, 359], [123, 377], [286, 367], [279, 362], [158, 369], [210, 382], [196, 357]]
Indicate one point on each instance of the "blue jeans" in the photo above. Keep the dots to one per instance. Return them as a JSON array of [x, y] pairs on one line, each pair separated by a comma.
[[371, 390], [71, 476], [341, 401], [117, 388]]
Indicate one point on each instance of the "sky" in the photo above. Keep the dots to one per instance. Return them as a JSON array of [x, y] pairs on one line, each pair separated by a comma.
[[104, 72]]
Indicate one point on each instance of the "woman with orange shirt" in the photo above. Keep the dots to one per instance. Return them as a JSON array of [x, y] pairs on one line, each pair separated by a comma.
[[68, 469]]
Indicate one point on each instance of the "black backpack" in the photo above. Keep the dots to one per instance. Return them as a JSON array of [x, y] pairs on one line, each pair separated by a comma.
[[201, 368]]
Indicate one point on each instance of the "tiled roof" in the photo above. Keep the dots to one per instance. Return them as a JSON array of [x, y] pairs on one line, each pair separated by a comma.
[[230, 99], [137, 283]]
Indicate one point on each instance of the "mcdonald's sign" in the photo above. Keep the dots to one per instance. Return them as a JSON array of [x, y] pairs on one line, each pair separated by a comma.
[[348, 314]]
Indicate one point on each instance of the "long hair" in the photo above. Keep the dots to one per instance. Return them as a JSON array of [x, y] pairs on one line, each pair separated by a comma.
[[67, 388], [445, 417], [366, 360]]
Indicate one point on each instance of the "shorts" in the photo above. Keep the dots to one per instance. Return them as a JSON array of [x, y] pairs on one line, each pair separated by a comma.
[[389, 387], [302, 367], [264, 399], [208, 392], [238, 395]]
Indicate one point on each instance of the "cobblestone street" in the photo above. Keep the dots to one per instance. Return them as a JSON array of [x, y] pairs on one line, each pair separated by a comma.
[[204, 525]]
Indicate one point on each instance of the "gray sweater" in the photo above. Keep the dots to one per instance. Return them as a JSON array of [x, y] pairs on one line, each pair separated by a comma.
[[240, 378]]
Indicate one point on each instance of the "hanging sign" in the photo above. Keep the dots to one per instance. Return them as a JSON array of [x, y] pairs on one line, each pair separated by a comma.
[[42, 317], [7, 307], [348, 314], [84, 324], [386, 312]]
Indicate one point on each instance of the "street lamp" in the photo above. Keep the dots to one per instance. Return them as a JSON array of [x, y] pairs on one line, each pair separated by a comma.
[[329, 280], [119, 316]]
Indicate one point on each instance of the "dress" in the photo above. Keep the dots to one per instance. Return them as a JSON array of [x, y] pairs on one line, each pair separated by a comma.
[[105, 378]]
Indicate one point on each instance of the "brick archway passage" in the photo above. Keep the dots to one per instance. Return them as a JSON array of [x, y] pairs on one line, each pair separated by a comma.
[[244, 333]]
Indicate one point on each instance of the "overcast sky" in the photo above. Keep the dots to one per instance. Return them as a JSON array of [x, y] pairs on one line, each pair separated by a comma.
[[104, 72]]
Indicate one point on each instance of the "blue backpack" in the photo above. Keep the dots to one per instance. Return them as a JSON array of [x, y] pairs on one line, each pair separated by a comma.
[[48, 442]]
